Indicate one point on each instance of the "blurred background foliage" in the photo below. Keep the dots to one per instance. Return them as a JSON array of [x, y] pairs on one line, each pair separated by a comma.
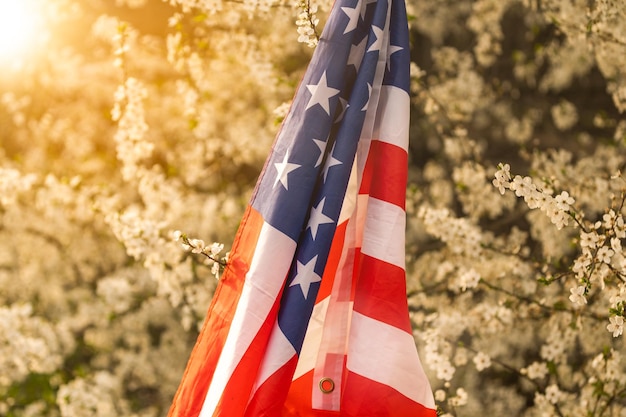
[[123, 121]]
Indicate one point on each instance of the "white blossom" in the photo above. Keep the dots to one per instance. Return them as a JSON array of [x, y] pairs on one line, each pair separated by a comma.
[[440, 395], [469, 279], [577, 295], [553, 393], [482, 361], [536, 370], [460, 399], [616, 325], [564, 115]]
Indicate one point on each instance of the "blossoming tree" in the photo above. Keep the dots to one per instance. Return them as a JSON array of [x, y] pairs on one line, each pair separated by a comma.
[[122, 123]]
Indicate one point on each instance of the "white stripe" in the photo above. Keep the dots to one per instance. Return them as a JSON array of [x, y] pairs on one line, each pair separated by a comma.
[[352, 191], [264, 281], [383, 234], [279, 351], [312, 339], [392, 120], [388, 355]]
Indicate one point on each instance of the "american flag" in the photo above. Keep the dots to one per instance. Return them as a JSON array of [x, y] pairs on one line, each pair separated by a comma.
[[310, 317]]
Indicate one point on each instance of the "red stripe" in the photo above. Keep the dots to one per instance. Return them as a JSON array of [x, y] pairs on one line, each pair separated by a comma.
[[205, 355], [328, 277], [234, 398], [381, 293], [298, 403], [385, 173], [269, 398], [366, 398], [299, 397]]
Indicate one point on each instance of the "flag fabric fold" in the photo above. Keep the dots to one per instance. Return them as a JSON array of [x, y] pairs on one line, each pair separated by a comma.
[[310, 317]]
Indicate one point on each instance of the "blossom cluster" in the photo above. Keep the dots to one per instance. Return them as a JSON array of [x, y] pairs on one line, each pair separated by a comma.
[[198, 246], [12, 183], [557, 208], [538, 254], [307, 23]]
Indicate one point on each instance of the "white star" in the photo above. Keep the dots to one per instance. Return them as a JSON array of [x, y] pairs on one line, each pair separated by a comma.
[[331, 162], [392, 49], [305, 276], [353, 14], [317, 218], [378, 32], [321, 94], [356, 54], [322, 145], [284, 168], [369, 95]]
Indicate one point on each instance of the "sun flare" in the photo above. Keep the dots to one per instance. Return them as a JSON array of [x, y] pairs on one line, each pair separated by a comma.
[[19, 23]]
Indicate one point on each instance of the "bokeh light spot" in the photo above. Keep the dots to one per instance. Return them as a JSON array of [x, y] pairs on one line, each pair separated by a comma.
[[19, 23]]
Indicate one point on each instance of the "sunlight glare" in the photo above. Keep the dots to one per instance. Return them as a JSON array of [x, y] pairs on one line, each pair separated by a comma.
[[18, 29]]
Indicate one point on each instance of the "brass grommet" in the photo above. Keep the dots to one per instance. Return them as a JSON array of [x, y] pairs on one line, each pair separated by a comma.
[[327, 385]]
